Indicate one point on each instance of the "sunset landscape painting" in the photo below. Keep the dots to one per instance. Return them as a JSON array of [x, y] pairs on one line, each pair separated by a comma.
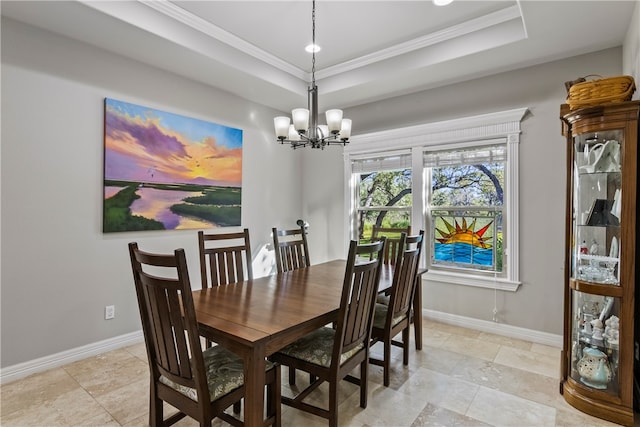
[[164, 171]]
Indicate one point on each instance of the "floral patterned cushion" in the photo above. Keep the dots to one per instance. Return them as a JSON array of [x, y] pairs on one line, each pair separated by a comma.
[[224, 374], [317, 348], [380, 316]]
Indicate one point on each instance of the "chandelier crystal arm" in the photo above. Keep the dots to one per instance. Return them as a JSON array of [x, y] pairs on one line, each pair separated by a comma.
[[305, 129]]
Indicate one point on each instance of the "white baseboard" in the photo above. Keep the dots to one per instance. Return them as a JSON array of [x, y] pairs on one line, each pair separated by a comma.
[[21, 370], [495, 328]]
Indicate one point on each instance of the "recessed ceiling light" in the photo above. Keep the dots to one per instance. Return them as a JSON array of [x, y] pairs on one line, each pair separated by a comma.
[[441, 2], [312, 48]]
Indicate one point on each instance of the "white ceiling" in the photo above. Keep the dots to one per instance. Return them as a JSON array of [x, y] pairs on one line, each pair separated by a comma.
[[371, 50]]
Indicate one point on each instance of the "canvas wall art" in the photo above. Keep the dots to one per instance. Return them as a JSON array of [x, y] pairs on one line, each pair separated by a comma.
[[164, 171]]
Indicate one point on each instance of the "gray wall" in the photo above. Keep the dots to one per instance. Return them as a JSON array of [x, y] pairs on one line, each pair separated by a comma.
[[631, 49], [538, 304], [59, 270]]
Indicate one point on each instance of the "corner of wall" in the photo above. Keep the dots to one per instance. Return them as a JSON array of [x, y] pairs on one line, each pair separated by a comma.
[[631, 49]]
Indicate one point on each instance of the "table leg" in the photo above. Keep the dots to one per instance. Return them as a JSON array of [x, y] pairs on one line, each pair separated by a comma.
[[254, 378], [417, 312]]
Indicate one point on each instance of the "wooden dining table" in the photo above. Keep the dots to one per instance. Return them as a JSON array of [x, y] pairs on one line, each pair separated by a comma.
[[258, 317]]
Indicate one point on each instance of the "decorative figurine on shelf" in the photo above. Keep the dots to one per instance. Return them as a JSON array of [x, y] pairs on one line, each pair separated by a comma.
[[583, 248], [597, 329], [594, 368], [612, 331], [593, 249]]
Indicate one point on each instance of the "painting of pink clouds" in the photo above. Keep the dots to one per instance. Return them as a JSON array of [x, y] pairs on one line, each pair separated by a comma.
[[164, 171]]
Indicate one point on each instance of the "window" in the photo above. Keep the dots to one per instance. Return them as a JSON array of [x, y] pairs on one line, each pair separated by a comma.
[[457, 180], [465, 201], [383, 193]]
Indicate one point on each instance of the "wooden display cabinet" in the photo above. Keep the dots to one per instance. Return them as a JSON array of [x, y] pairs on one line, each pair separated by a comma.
[[601, 256]]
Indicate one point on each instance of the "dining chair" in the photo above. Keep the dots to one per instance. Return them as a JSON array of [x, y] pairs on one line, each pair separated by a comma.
[[393, 240], [200, 384], [330, 354], [290, 246], [394, 317], [224, 258]]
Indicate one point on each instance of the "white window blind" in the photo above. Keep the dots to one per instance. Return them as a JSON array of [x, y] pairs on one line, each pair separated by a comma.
[[388, 162], [472, 156]]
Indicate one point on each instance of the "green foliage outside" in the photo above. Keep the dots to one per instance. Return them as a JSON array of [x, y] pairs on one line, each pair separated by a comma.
[[381, 189], [224, 216], [499, 252], [387, 222], [117, 215], [468, 185]]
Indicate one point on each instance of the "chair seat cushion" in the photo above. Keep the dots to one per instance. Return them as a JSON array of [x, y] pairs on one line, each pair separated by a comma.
[[317, 348], [224, 374], [380, 316], [383, 299]]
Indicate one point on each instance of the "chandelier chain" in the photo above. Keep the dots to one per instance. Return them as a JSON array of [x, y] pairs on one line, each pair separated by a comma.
[[306, 131], [313, 41]]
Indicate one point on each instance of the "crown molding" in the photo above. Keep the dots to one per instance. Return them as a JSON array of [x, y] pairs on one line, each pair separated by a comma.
[[472, 26], [193, 21], [187, 18]]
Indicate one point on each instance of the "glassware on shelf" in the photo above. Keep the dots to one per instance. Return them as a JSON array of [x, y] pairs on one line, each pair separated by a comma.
[[602, 157], [611, 278]]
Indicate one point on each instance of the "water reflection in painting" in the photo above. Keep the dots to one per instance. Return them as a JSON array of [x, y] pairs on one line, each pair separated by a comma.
[[156, 204]]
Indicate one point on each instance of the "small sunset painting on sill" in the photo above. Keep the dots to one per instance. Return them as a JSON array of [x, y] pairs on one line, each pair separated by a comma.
[[164, 171], [461, 243]]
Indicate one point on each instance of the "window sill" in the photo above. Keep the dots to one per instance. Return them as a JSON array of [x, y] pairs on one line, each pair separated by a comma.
[[471, 280]]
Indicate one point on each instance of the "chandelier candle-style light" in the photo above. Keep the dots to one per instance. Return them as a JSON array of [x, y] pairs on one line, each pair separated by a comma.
[[305, 129]]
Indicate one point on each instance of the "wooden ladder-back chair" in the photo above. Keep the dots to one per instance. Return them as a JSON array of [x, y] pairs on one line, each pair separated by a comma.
[[292, 251], [395, 316], [330, 354], [393, 241], [224, 258], [200, 384]]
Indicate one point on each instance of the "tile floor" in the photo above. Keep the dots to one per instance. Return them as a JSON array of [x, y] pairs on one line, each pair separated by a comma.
[[462, 377]]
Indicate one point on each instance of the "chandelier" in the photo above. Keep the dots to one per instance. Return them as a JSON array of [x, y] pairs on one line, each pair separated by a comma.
[[305, 129]]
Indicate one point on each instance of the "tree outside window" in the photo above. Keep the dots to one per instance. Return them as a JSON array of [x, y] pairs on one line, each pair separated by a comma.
[[384, 200]]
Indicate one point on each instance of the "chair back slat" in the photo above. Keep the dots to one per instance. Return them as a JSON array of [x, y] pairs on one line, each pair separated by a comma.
[[291, 249], [393, 241], [161, 304], [404, 275], [168, 317], [360, 287], [227, 262]]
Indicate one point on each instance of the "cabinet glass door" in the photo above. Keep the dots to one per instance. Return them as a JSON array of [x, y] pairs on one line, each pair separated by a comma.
[[597, 207], [595, 349]]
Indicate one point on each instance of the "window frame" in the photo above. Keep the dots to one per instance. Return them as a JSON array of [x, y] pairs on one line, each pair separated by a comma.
[[471, 146], [486, 129]]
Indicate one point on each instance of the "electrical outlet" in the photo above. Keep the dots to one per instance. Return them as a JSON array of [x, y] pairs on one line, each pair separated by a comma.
[[109, 312]]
